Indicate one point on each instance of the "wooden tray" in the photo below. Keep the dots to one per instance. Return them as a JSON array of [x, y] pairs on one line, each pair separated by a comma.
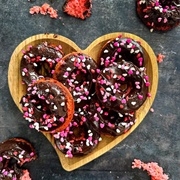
[[17, 90]]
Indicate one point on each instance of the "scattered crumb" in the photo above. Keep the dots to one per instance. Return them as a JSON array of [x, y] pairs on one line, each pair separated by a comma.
[[160, 57], [152, 168], [152, 110], [44, 10]]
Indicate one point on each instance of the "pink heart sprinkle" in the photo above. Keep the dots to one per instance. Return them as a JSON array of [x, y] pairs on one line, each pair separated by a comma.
[[101, 125]]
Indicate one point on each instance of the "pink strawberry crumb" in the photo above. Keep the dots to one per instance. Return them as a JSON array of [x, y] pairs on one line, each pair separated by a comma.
[[152, 168], [44, 10], [160, 57]]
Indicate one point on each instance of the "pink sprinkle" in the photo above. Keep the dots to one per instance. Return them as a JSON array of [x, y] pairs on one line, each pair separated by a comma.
[[98, 70], [90, 138], [101, 125], [83, 118], [102, 81], [32, 154], [119, 50], [113, 98], [140, 59], [99, 109], [148, 94], [86, 93], [26, 114], [49, 125], [66, 74], [5, 173], [1, 159], [130, 72], [123, 101], [96, 118], [159, 19], [146, 16], [109, 124], [140, 97], [165, 20], [95, 141], [116, 44], [128, 41], [106, 113], [147, 84], [61, 119], [25, 70], [74, 123], [152, 110], [122, 78], [146, 78]]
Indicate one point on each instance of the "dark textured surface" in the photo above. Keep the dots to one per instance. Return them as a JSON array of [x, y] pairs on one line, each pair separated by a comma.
[[156, 139]]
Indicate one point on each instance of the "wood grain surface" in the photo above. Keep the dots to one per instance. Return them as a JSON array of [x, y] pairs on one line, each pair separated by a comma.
[[17, 90]]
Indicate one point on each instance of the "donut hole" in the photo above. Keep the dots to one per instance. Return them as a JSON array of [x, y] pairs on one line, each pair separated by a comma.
[[80, 77], [44, 69], [78, 133]]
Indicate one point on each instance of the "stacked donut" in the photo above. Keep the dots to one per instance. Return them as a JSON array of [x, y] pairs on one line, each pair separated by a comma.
[[76, 98]]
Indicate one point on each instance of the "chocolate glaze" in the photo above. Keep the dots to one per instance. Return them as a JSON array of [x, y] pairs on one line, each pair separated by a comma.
[[119, 49], [16, 149], [110, 122], [160, 15], [79, 138], [46, 105], [42, 55], [77, 72], [122, 87]]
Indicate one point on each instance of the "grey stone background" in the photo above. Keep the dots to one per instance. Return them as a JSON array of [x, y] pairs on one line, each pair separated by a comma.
[[156, 139]]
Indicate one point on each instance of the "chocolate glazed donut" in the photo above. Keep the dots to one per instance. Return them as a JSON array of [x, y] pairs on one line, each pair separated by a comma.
[[122, 87], [13, 153], [78, 73], [48, 105], [159, 15], [79, 138], [39, 61], [110, 122], [119, 49]]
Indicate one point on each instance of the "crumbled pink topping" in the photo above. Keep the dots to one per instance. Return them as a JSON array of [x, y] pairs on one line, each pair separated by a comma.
[[153, 169], [25, 175], [44, 9], [160, 57]]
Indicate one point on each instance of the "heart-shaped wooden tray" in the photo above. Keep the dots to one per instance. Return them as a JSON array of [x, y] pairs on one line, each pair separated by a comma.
[[17, 90]]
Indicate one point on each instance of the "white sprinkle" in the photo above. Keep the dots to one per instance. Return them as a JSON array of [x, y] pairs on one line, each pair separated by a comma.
[[55, 107], [63, 104], [88, 66], [39, 107], [68, 69], [78, 100], [23, 73], [133, 103], [35, 64], [43, 58], [108, 89], [132, 51], [120, 115], [106, 51], [118, 131], [46, 90]]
